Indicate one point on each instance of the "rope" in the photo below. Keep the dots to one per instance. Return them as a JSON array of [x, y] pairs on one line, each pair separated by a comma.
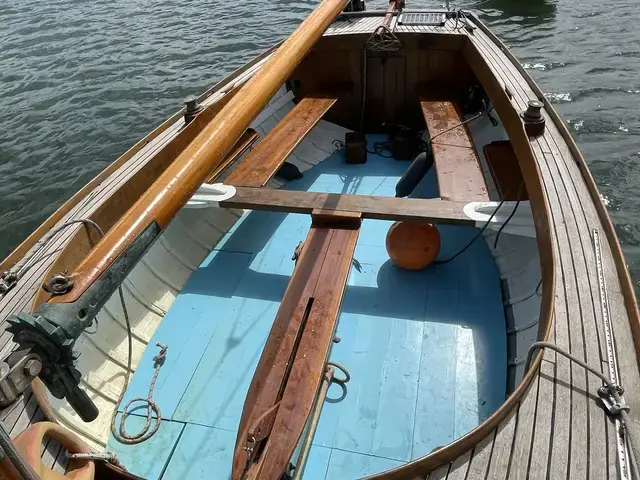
[[460, 15], [10, 277], [513, 212], [148, 430], [379, 147], [329, 378], [477, 115], [479, 234], [621, 409], [108, 457], [383, 39]]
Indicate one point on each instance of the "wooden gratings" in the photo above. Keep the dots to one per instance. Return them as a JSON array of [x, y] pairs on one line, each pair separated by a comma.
[[459, 172], [264, 161], [288, 376]]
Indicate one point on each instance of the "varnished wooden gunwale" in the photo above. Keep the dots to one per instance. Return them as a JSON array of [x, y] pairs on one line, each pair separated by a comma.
[[558, 429], [631, 302], [540, 209], [578, 322]]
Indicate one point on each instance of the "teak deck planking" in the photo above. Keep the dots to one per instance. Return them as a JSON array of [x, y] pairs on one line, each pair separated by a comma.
[[567, 316], [566, 412]]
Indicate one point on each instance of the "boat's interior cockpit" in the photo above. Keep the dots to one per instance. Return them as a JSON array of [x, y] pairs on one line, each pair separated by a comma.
[[370, 186], [356, 284]]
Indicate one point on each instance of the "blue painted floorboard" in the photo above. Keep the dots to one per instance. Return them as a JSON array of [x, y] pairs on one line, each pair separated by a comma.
[[348, 466], [426, 350], [148, 459], [202, 453]]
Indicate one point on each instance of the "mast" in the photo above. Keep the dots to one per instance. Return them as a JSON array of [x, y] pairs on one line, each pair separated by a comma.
[[49, 334]]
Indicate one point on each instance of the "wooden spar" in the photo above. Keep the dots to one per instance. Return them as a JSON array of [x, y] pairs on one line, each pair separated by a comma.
[[182, 178], [394, 6]]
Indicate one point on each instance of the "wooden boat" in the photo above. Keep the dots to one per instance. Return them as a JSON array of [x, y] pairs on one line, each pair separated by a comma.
[[447, 378]]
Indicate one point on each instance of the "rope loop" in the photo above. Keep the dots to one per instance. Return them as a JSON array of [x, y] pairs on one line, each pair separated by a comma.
[[150, 427], [336, 366]]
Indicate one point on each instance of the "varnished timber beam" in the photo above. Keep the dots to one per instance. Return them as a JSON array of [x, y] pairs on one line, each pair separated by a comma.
[[164, 199], [380, 208]]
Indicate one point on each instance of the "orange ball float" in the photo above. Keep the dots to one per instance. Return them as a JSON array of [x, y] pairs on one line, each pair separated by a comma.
[[413, 246]]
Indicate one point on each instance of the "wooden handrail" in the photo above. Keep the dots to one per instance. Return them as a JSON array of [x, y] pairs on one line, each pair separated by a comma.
[[177, 184]]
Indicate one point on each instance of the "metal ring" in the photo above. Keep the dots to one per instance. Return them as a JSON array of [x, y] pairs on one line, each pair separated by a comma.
[[59, 284], [336, 379]]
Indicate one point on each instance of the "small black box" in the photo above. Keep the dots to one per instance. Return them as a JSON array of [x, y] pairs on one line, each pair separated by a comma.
[[355, 147]]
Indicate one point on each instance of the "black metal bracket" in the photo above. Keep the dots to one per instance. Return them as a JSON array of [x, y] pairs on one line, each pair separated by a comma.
[[51, 332]]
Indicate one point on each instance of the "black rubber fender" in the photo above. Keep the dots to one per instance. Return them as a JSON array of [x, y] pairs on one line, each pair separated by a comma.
[[416, 172]]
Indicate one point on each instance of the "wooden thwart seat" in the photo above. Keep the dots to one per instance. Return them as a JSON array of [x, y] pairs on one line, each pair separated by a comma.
[[288, 376], [457, 166], [269, 155], [368, 206], [242, 145]]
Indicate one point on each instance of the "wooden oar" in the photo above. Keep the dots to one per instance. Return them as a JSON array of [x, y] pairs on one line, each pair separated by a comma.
[[177, 184]]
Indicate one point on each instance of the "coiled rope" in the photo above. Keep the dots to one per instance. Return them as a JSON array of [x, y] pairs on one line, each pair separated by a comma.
[[150, 428]]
